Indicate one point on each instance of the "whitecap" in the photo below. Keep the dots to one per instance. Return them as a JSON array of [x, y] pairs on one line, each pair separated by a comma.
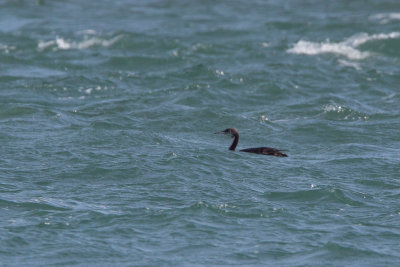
[[44, 44], [6, 48], [347, 48], [351, 64], [220, 72], [62, 44], [87, 42], [363, 38], [385, 18], [311, 48]]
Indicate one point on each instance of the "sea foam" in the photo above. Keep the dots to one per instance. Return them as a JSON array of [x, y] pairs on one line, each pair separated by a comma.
[[62, 44], [347, 48], [385, 18]]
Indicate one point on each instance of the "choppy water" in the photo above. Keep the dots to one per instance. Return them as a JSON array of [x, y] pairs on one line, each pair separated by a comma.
[[107, 115]]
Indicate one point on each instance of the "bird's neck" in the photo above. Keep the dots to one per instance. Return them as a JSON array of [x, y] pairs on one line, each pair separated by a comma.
[[235, 142]]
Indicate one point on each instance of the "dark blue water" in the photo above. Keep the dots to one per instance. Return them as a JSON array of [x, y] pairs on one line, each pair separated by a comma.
[[107, 115]]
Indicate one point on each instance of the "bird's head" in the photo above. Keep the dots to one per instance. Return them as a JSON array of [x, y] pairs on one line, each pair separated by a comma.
[[229, 131]]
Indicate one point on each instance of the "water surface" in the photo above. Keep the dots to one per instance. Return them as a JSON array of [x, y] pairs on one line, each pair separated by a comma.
[[107, 114]]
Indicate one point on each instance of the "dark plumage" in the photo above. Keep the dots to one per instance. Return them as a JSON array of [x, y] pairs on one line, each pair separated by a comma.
[[257, 150]]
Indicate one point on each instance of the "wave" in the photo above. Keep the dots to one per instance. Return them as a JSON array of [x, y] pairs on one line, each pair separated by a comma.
[[62, 44], [316, 195], [339, 112], [347, 48], [6, 49], [385, 18]]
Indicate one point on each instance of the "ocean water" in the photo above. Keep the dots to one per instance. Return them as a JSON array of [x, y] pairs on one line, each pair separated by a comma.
[[107, 115]]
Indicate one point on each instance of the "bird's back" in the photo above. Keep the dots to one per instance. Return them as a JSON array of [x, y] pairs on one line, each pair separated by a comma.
[[265, 151]]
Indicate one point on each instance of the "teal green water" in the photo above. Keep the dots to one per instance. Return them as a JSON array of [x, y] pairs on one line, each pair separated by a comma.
[[107, 115]]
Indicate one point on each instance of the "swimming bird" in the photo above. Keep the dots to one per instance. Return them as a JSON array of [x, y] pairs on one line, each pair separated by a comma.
[[257, 150]]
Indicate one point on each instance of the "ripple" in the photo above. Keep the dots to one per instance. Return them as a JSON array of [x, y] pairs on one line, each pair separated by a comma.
[[339, 112], [35, 204], [327, 195]]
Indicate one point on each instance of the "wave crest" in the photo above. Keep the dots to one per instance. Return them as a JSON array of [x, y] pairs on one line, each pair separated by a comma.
[[347, 48], [64, 44], [338, 112], [385, 18]]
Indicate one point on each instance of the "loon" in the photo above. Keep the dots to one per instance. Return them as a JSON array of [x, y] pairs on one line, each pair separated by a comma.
[[257, 150]]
